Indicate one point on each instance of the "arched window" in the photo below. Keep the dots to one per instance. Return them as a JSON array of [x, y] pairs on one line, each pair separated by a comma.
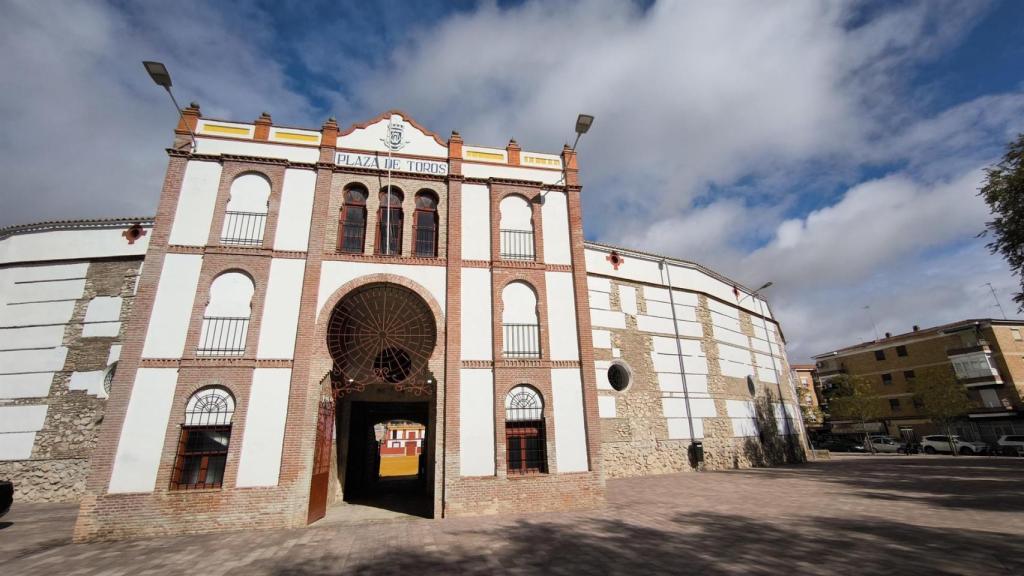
[[226, 318], [246, 214], [425, 224], [389, 222], [352, 222], [525, 442], [520, 325], [516, 229], [203, 444]]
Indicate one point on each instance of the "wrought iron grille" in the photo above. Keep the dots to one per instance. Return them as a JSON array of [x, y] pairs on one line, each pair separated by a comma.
[[223, 336], [525, 440], [426, 240], [521, 340], [517, 245], [382, 333], [202, 454], [353, 234], [390, 236], [243, 228]]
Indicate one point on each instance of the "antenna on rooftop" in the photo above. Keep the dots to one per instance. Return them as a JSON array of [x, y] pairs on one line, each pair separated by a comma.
[[872, 318], [996, 298]]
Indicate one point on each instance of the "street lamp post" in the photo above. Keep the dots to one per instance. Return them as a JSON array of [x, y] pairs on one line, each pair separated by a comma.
[[158, 72]]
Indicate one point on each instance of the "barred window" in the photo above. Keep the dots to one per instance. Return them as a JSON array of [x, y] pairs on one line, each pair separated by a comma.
[[525, 440], [516, 239], [389, 222], [246, 214], [226, 318], [425, 224], [203, 444], [520, 321], [352, 229]]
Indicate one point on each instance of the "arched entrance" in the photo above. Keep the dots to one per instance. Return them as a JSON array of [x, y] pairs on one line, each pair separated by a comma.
[[381, 338]]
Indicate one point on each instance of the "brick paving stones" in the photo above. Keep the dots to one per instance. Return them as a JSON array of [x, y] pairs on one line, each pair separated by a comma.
[[853, 515]]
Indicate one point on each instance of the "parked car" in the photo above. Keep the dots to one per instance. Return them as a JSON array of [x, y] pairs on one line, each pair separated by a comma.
[[840, 444], [885, 444], [6, 496], [940, 443], [1011, 445]]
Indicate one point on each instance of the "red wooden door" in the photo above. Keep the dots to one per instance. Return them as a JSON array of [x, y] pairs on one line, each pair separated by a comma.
[[322, 453]]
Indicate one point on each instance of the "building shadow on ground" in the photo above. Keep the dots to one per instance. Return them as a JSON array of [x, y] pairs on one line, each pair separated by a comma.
[[700, 543]]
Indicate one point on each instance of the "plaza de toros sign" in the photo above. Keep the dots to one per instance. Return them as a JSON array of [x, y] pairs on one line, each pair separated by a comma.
[[377, 162]]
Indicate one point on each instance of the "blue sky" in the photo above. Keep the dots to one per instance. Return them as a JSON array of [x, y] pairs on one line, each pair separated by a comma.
[[833, 148]]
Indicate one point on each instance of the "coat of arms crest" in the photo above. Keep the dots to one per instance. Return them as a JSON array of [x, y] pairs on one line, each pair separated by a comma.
[[396, 130]]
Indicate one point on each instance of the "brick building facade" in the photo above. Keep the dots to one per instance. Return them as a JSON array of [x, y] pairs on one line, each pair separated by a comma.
[[302, 286]]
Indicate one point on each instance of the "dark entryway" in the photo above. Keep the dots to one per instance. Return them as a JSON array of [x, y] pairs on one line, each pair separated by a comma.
[[363, 482]]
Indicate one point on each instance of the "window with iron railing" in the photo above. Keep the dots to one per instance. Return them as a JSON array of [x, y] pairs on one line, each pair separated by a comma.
[[243, 228], [517, 245], [203, 443], [223, 336], [521, 340]]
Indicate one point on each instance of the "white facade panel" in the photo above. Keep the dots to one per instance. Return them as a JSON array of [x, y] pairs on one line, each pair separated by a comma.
[[744, 427], [766, 375], [563, 339], [627, 299], [734, 338], [735, 369], [607, 319], [602, 339], [260, 462], [570, 432], [102, 315], [601, 371], [599, 284], [142, 434], [70, 244], [691, 329], [172, 307], [599, 300], [35, 385], [476, 222], [41, 291], [296, 210], [17, 445], [555, 218], [281, 310], [473, 170], [34, 337], [38, 313], [654, 324], [476, 327], [476, 423], [679, 428], [334, 274], [734, 354], [22, 418], [40, 360], [606, 406], [723, 321], [91, 382], [194, 213]]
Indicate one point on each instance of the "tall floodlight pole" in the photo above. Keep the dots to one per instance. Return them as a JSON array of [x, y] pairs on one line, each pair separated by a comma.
[[158, 72], [996, 298]]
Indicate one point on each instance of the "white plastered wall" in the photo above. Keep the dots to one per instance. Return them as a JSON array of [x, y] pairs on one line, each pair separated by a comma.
[[515, 213], [71, 244], [142, 435], [562, 339], [335, 274], [570, 431], [281, 309], [476, 324], [474, 170], [476, 222], [555, 219], [476, 422], [172, 307], [296, 210], [260, 462], [194, 213], [216, 147], [417, 142]]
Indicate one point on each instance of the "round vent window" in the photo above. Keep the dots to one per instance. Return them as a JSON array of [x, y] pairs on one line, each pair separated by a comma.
[[619, 376]]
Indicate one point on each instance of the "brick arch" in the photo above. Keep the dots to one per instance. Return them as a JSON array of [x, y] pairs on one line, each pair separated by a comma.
[[321, 360]]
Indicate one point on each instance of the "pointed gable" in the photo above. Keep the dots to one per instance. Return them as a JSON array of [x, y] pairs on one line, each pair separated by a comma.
[[395, 129]]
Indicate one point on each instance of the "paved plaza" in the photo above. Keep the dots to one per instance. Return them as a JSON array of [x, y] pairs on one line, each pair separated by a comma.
[[854, 515]]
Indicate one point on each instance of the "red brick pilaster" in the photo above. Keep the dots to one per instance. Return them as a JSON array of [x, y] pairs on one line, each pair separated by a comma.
[[513, 150], [262, 131]]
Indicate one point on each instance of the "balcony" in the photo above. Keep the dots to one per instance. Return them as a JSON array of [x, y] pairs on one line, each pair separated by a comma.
[[223, 337], [243, 228], [521, 341], [517, 245]]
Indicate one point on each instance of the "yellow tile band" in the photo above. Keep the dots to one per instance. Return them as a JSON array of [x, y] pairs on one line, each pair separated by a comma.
[[218, 129], [488, 156], [541, 161], [297, 137]]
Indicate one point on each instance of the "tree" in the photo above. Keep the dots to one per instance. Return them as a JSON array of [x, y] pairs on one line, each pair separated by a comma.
[[941, 398], [855, 399], [1004, 193]]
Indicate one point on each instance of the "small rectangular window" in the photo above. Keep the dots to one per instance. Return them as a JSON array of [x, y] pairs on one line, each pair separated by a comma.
[[202, 455], [1016, 334], [887, 379], [908, 375], [879, 354], [894, 404], [901, 350], [918, 403]]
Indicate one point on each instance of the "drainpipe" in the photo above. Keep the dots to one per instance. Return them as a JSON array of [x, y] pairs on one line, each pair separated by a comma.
[[679, 346]]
